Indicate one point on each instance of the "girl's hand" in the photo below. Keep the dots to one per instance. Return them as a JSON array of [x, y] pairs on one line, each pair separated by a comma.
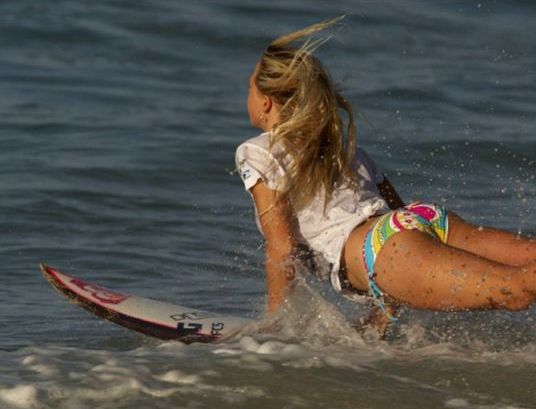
[[390, 194], [379, 321]]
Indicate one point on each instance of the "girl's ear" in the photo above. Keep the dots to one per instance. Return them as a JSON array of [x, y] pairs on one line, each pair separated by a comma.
[[266, 104]]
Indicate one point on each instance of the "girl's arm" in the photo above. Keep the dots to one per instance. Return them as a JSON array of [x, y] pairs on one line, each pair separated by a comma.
[[390, 194], [279, 228]]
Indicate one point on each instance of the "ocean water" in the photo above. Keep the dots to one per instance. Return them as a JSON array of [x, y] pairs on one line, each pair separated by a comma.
[[118, 125]]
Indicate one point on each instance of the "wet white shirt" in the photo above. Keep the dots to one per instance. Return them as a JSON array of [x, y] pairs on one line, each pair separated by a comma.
[[326, 231]]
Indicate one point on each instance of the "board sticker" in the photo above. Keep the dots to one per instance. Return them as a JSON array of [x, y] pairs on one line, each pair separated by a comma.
[[102, 294], [191, 316]]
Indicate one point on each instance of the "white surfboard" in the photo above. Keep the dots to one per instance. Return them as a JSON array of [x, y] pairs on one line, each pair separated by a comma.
[[150, 317]]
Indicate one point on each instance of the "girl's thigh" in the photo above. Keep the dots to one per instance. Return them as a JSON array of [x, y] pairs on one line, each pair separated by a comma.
[[494, 244], [416, 269]]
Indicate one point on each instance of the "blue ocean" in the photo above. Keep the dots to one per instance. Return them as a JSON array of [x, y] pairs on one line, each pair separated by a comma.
[[118, 126]]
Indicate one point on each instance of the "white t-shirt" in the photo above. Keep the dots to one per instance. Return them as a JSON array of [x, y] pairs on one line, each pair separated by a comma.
[[326, 231]]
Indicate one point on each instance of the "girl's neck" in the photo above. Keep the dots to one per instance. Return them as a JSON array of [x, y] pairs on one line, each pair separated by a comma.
[[272, 118]]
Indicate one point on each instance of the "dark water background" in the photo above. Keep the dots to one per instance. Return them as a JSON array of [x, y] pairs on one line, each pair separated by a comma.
[[118, 125]]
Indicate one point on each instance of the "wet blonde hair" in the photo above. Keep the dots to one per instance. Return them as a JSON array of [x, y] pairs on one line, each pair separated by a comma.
[[310, 126]]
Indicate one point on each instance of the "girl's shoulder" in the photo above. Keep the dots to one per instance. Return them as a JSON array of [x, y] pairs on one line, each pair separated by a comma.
[[259, 149], [261, 141], [256, 159]]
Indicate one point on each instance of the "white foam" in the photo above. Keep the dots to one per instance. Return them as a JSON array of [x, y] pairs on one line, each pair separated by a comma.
[[270, 347], [112, 369], [186, 376], [226, 351], [249, 344], [37, 365], [19, 396], [342, 362], [160, 393], [256, 363], [292, 350], [121, 388], [29, 360], [306, 363], [178, 377], [457, 403]]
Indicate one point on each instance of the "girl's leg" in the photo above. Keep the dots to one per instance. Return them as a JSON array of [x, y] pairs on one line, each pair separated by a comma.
[[497, 245], [417, 270]]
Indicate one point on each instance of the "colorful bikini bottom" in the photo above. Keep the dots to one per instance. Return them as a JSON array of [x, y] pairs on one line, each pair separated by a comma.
[[428, 218]]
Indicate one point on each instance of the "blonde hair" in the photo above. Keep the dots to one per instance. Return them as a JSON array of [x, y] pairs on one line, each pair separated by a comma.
[[310, 126]]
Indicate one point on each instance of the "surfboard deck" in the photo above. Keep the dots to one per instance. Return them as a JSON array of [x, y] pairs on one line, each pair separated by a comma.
[[158, 319]]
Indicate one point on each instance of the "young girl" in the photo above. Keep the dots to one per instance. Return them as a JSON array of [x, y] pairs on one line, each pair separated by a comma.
[[318, 196]]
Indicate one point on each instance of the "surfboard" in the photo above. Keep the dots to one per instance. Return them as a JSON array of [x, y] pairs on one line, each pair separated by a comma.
[[158, 319]]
